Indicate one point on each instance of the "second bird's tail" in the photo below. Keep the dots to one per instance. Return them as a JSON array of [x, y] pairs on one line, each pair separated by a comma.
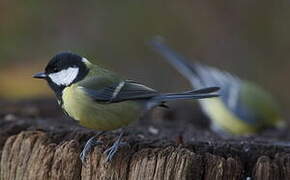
[[187, 69]]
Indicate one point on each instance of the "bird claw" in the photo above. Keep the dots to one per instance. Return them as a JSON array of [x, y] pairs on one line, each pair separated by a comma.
[[90, 144], [111, 151]]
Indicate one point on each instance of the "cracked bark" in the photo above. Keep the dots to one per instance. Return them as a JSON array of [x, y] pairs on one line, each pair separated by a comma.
[[47, 146]]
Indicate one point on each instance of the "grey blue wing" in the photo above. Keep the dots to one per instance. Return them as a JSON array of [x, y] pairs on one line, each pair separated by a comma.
[[120, 91], [231, 93]]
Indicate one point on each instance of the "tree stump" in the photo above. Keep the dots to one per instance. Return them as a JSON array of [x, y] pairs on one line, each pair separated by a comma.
[[38, 142]]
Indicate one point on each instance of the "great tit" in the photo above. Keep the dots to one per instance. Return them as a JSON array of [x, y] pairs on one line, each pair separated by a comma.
[[100, 99], [242, 108]]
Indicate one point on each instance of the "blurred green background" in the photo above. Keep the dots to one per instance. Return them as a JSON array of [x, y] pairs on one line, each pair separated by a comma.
[[248, 38]]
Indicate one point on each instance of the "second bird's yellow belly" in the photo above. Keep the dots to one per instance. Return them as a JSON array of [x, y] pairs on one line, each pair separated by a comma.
[[222, 117], [99, 116]]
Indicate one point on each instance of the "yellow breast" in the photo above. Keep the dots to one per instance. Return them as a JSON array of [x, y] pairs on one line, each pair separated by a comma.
[[99, 116], [225, 119]]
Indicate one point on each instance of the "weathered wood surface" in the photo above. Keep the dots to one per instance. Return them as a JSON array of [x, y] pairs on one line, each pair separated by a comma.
[[36, 142]]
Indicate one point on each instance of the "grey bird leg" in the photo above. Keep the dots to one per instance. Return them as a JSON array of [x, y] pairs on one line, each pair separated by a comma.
[[89, 146], [111, 151]]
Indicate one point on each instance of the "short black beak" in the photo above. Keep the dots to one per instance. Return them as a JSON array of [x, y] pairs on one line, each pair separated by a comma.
[[40, 75]]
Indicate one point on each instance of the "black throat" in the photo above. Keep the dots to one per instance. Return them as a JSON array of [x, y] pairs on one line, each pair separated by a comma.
[[57, 90]]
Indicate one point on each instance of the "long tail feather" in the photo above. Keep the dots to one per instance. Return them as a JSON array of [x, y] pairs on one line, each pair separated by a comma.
[[197, 94]]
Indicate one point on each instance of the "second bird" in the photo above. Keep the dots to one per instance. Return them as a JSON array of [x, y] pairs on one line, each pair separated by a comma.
[[242, 108]]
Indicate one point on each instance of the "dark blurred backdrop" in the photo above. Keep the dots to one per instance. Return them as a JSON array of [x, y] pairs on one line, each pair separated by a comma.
[[246, 37]]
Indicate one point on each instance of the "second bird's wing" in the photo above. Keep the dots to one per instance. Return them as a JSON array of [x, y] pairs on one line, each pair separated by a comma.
[[201, 76], [111, 92]]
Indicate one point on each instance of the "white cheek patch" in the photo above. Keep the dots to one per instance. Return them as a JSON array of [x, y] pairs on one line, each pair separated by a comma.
[[64, 77]]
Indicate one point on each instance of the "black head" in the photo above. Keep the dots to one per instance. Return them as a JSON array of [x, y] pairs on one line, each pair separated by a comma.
[[63, 70]]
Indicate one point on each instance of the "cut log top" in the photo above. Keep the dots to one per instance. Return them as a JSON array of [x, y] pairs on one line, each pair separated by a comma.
[[38, 142]]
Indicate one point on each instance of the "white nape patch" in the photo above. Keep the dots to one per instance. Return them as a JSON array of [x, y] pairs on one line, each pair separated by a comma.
[[64, 77], [85, 61]]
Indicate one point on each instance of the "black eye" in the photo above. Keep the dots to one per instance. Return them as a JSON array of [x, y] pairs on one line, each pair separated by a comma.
[[55, 70]]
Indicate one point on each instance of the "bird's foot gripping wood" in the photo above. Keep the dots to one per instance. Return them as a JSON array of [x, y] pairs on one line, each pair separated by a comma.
[[89, 146], [111, 151]]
